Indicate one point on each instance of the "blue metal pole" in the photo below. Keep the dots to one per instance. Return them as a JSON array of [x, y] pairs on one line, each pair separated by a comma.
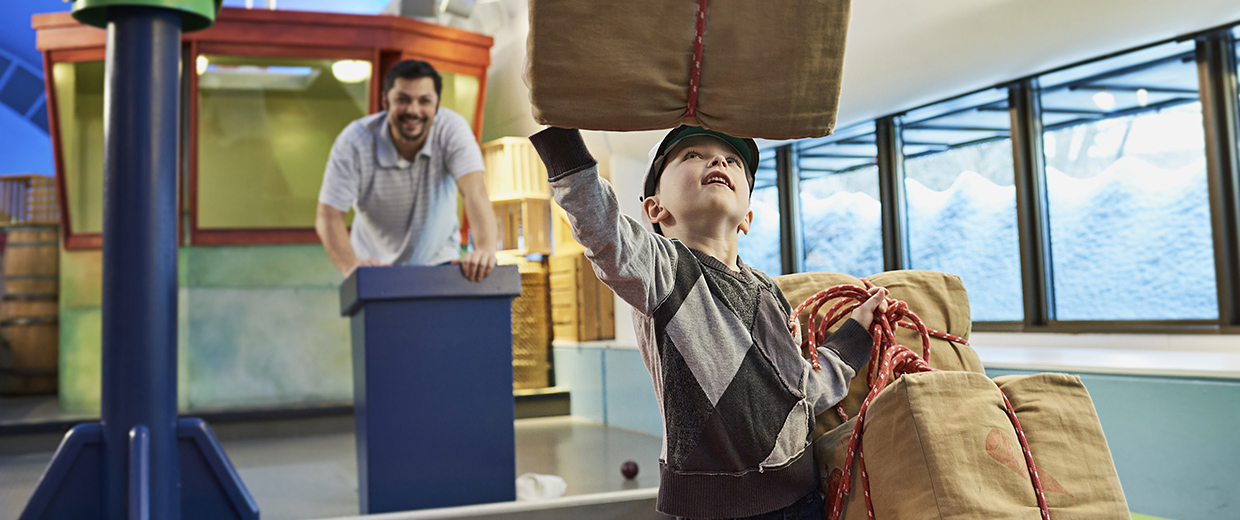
[[141, 107]]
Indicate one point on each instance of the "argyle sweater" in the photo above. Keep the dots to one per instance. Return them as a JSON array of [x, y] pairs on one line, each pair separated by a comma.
[[738, 401]]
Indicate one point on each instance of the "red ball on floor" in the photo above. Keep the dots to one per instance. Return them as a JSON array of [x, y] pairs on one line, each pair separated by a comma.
[[628, 469]]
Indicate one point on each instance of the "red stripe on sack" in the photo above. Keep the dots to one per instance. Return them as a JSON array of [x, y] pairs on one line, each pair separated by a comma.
[[696, 73]]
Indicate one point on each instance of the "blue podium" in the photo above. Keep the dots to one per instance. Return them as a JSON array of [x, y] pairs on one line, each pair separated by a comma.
[[432, 386]]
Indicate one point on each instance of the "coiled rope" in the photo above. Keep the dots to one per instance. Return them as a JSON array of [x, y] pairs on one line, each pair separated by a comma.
[[895, 360]]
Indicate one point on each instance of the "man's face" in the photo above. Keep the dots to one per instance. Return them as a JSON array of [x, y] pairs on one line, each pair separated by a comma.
[[411, 106], [704, 178]]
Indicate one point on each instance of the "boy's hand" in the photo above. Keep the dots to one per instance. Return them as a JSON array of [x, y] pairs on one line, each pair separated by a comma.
[[864, 314]]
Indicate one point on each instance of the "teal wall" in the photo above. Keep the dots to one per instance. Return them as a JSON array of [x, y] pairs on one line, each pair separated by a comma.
[[1173, 439], [258, 326]]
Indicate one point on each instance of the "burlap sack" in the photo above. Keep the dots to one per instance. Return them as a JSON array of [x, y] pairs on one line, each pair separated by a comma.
[[766, 70], [938, 445], [1069, 449], [940, 301]]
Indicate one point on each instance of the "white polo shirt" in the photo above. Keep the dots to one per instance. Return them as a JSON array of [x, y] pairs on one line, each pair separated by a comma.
[[405, 212]]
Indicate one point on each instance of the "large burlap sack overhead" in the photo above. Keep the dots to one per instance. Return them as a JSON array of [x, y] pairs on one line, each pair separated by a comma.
[[1068, 446], [767, 69], [937, 445], [939, 299]]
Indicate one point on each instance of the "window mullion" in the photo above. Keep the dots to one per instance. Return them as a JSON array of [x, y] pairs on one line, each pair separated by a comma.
[[1033, 223], [1216, 69], [891, 193], [788, 184]]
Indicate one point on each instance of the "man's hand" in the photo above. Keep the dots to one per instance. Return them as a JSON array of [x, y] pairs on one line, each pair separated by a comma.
[[364, 262], [477, 264], [864, 313]]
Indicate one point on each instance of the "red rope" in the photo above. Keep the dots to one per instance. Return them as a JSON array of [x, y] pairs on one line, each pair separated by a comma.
[[894, 360], [696, 72]]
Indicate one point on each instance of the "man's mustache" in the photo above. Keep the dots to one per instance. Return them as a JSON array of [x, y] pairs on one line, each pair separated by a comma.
[[408, 119]]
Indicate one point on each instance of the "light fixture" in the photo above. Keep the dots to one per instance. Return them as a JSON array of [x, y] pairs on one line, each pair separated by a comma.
[[201, 64], [1143, 97], [351, 71], [1104, 100]]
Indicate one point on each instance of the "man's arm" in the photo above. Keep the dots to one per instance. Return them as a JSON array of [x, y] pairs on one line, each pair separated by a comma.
[[478, 263], [329, 224]]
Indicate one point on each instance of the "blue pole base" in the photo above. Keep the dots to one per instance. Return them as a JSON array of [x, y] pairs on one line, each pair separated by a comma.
[[71, 489]]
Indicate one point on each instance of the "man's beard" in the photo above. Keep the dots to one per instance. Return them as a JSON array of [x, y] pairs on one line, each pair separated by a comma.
[[401, 131]]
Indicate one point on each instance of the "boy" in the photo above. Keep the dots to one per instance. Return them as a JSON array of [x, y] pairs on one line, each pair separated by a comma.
[[737, 399]]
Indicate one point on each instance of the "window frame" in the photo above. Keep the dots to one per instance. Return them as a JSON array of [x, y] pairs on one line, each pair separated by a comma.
[[1216, 61]]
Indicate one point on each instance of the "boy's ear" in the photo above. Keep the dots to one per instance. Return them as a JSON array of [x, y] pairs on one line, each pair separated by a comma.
[[746, 222], [654, 211]]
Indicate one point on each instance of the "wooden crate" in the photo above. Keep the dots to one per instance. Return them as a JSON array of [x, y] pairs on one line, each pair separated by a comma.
[[582, 308], [28, 199], [514, 170], [562, 233], [524, 225], [531, 328]]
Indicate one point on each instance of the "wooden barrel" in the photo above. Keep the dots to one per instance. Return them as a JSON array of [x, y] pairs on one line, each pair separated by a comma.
[[31, 259], [29, 333]]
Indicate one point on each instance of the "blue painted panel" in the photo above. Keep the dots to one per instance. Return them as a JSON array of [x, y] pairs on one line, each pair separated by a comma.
[[581, 370], [434, 408], [1173, 442], [630, 398]]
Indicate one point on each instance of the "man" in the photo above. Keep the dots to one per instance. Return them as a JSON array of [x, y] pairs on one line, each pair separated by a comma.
[[400, 170]]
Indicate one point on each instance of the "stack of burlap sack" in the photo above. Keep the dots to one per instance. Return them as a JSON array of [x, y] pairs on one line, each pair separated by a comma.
[[940, 444]]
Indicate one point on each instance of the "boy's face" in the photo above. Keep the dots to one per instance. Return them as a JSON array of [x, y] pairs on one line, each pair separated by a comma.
[[704, 185]]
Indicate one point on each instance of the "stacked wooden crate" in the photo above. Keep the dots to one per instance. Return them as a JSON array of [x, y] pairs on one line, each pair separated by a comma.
[[582, 308], [517, 184]]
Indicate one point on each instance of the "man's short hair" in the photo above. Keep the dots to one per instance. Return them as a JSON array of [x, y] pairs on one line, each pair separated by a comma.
[[412, 69]]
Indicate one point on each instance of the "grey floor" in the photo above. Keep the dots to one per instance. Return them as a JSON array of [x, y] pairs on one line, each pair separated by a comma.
[[306, 468]]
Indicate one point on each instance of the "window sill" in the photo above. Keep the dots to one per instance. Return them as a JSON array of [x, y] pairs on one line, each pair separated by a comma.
[[1215, 357]]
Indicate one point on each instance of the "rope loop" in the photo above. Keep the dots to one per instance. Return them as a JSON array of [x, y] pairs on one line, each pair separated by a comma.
[[890, 360]]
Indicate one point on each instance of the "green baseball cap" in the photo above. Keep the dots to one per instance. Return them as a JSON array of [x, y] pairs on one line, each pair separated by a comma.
[[746, 148]]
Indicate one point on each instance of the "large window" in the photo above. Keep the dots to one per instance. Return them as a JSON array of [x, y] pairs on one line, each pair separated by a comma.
[[961, 199], [1129, 208], [760, 248], [79, 99], [840, 219], [265, 128]]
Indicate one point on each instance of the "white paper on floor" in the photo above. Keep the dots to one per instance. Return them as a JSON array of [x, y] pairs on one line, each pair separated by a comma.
[[534, 486]]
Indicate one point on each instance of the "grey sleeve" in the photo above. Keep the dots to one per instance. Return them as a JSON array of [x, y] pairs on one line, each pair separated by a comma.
[[342, 176], [635, 263], [842, 357]]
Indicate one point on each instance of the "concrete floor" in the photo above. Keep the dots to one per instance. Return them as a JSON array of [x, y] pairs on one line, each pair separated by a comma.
[[307, 468]]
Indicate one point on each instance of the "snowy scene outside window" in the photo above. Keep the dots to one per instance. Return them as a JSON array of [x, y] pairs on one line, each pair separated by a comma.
[[961, 199], [760, 248], [840, 220], [1129, 210]]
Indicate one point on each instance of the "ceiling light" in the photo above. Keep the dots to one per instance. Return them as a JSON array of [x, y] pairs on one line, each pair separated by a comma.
[[1104, 100], [351, 71], [1143, 97], [201, 64]]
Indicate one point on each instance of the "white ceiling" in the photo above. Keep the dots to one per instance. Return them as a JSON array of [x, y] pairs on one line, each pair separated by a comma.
[[906, 53]]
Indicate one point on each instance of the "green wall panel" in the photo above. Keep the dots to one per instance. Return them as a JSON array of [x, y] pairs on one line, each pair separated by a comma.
[[257, 326], [290, 266], [80, 364], [81, 279], [265, 347]]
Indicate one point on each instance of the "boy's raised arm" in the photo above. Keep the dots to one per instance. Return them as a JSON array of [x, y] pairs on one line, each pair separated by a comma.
[[635, 263]]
